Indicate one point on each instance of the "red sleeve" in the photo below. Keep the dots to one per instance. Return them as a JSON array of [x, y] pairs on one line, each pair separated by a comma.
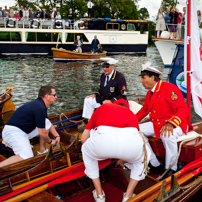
[[175, 98]]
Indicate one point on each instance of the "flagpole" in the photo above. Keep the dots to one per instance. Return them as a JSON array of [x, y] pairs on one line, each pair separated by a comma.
[[188, 44]]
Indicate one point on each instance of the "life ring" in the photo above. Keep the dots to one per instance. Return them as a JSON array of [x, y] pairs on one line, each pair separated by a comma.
[[35, 26], [60, 24], [13, 20], [81, 24]]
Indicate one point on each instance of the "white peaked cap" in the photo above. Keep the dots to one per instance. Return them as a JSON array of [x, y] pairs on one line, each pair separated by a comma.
[[109, 60], [146, 68]]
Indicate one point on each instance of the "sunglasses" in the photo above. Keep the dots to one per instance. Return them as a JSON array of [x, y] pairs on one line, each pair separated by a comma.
[[53, 95]]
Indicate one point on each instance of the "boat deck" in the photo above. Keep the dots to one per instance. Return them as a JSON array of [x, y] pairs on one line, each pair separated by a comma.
[[113, 194]]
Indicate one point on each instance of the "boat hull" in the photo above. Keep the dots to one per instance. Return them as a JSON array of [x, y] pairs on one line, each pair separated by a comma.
[[45, 49], [67, 55]]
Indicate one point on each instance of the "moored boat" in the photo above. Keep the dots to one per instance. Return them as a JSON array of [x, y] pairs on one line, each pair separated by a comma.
[[61, 55], [115, 35]]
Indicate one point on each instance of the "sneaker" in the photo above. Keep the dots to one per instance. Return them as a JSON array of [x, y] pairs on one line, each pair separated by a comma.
[[127, 198], [98, 198], [39, 153]]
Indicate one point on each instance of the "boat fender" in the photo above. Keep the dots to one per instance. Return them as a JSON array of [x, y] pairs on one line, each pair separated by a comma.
[[165, 34], [9, 20], [58, 24], [37, 23]]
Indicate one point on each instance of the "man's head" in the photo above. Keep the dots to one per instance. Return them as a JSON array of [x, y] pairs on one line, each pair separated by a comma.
[[21, 7], [168, 10], [150, 76], [70, 10], [78, 37], [99, 45], [30, 9], [108, 65], [44, 10], [184, 9], [95, 37], [53, 10], [58, 13], [122, 102], [48, 94], [25, 8]]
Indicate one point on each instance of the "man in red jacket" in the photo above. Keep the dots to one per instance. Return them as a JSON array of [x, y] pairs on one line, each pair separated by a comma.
[[168, 112]]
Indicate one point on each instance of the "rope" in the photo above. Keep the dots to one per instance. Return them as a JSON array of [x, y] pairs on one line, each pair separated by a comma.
[[145, 161], [179, 151]]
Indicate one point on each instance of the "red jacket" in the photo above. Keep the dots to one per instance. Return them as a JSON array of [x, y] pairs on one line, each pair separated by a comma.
[[166, 105]]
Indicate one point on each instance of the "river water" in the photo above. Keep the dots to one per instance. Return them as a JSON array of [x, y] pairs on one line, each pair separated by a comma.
[[72, 81]]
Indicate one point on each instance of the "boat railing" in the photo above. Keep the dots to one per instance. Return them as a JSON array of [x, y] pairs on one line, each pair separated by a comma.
[[38, 23]]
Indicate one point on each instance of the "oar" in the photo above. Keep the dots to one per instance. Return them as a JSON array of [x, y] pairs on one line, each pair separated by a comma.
[[156, 187], [180, 181], [67, 126], [71, 173], [67, 119]]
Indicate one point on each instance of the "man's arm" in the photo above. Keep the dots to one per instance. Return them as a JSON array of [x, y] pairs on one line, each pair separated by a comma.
[[43, 133], [121, 89], [85, 135]]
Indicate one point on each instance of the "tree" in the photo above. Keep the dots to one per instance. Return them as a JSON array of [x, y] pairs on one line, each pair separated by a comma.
[[169, 4], [143, 14], [123, 9]]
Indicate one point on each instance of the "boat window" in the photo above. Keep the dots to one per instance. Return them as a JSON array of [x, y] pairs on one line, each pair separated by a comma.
[[43, 36], [71, 37], [131, 27], [112, 26], [40, 36], [10, 36]]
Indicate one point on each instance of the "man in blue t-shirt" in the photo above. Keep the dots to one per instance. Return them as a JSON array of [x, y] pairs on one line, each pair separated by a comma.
[[28, 121], [94, 44]]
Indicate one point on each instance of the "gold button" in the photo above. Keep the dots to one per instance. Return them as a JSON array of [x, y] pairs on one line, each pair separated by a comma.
[[157, 119], [149, 112], [152, 119], [154, 111], [158, 123]]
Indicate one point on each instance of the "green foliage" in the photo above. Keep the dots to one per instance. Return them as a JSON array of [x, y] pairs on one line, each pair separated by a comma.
[[123, 9], [143, 14], [169, 4], [152, 30]]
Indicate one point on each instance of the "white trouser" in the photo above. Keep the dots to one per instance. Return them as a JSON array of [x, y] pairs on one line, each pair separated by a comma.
[[89, 106], [110, 142], [19, 140], [169, 143]]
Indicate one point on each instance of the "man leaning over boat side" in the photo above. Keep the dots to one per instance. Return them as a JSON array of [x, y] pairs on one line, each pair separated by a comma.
[[169, 116], [94, 43], [112, 132], [112, 88], [28, 121]]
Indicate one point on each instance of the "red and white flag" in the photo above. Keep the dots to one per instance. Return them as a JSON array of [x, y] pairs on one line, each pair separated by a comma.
[[196, 59]]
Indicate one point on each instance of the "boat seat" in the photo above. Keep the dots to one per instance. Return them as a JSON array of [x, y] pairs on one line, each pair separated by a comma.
[[43, 196], [2, 22], [135, 107], [5, 145]]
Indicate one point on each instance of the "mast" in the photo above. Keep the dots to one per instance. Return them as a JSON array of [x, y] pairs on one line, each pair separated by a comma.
[[188, 56]]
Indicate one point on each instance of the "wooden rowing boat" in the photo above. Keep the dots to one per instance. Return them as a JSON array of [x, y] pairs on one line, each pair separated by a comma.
[[6, 104], [75, 186], [65, 155], [62, 55]]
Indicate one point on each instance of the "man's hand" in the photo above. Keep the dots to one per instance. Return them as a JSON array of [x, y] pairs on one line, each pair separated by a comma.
[[107, 101], [57, 139], [120, 163], [93, 95], [167, 128]]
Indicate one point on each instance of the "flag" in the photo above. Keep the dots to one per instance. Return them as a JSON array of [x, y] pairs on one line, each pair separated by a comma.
[[196, 59]]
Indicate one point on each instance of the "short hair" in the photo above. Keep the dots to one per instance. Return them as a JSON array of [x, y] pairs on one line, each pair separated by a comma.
[[156, 77], [121, 104], [44, 90]]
